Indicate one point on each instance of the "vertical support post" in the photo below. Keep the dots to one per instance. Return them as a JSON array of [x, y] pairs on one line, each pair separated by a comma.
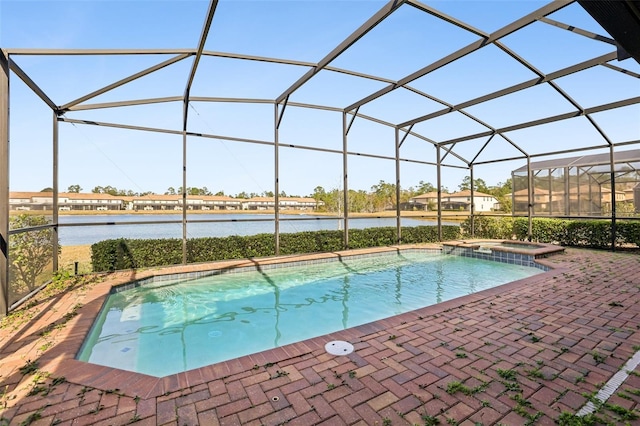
[[530, 193], [345, 181], [567, 192], [579, 194], [614, 227], [439, 184], [56, 190], [4, 183], [185, 117], [276, 183], [513, 194], [184, 192], [398, 218], [472, 209], [550, 193], [591, 203]]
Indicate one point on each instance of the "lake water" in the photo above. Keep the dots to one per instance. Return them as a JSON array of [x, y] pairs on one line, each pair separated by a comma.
[[241, 224]]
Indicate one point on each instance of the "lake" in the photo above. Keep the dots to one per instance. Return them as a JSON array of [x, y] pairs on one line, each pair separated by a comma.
[[71, 234]]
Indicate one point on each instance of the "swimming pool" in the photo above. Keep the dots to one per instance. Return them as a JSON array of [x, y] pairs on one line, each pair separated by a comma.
[[172, 326]]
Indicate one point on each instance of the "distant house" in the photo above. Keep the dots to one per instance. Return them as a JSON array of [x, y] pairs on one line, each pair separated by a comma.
[[455, 201], [66, 201], [20, 200], [194, 202], [90, 201], [291, 203], [427, 201], [102, 202]]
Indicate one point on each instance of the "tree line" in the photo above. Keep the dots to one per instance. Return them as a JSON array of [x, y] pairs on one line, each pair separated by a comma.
[[381, 196]]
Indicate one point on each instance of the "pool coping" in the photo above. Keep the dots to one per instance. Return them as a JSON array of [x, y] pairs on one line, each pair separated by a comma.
[[61, 359]]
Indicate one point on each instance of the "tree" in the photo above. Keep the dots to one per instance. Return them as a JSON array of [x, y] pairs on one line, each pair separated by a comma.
[[74, 189], [502, 192], [478, 185], [47, 189], [191, 190], [320, 195], [424, 187], [220, 194], [359, 201], [242, 195], [501, 188], [170, 191], [29, 252], [105, 190], [384, 195]]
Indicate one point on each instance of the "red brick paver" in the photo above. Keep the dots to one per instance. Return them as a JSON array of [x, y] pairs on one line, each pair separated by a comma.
[[521, 353]]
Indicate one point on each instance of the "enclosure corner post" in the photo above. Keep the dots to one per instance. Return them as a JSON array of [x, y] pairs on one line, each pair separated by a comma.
[[4, 183], [56, 191]]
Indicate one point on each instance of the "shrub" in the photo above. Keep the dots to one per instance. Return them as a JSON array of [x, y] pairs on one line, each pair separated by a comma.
[[30, 253], [310, 242], [544, 230], [588, 233], [111, 255], [489, 227], [576, 233], [628, 232]]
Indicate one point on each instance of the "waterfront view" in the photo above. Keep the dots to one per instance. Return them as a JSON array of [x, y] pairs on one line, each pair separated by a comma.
[[76, 229]]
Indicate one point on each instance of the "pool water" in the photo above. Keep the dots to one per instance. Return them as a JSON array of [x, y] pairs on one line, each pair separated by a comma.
[[169, 327]]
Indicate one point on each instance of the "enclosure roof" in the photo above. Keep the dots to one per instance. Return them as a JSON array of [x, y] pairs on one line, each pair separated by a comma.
[[621, 158], [483, 83], [621, 19]]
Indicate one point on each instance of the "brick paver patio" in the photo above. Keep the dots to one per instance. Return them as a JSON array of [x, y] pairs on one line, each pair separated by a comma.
[[522, 353]]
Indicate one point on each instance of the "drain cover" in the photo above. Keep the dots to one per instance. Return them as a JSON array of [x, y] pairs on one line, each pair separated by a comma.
[[338, 347]]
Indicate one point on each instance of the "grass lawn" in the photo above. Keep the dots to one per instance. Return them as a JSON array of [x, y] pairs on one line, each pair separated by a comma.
[[71, 254]]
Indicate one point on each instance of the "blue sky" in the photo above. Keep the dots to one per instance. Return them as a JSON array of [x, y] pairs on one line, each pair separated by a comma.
[[304, 30]]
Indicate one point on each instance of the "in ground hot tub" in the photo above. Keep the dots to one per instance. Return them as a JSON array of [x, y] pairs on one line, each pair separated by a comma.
[[531, 250]]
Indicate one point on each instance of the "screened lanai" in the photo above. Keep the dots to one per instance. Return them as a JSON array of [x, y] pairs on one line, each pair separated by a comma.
[[281, 98], [589, 185]]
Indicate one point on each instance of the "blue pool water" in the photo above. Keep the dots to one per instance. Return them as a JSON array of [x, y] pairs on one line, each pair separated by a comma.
[[168, 327]]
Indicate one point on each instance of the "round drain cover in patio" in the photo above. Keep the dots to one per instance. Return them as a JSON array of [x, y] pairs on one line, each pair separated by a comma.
[[338, 347]]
